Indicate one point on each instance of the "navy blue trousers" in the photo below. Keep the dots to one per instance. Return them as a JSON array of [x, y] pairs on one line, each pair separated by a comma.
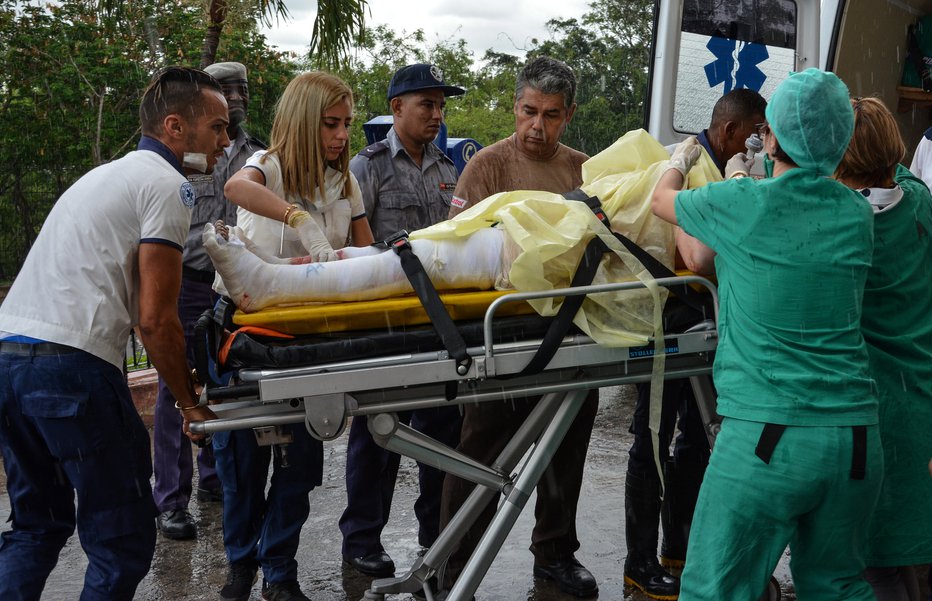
[[260, 527], [69, 429], [370, 481], [171, 448]]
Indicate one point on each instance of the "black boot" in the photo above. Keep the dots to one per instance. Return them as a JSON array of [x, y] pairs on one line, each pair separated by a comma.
[[642, 520], [681, 489]]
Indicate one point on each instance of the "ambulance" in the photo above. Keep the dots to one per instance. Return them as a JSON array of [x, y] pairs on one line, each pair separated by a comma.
[[703, 49]]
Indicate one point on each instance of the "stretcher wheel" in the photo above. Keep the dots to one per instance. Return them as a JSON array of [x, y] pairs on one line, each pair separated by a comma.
[[773, 592]]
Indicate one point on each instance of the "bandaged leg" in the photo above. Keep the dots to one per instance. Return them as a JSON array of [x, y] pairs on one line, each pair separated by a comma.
[[475, 261]]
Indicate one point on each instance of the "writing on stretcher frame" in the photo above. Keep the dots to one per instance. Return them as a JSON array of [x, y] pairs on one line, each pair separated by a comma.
[[523, 240]]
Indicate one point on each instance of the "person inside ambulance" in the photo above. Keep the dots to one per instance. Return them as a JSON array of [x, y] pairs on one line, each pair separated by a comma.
[[734, 119], [898, 332], [798, 460]]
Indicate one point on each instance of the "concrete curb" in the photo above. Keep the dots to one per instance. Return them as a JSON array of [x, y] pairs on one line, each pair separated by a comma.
[[144, 386]]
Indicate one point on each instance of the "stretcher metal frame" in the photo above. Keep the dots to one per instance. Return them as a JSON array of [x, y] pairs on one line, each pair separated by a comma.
[[323, 396]]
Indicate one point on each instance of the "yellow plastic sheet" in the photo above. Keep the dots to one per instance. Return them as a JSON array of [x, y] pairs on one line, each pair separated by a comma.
[[552, 234]]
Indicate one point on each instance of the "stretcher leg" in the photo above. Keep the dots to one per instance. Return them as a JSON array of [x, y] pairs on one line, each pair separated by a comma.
[[515, 499], [429, 565], [389, 433], [705, 402]]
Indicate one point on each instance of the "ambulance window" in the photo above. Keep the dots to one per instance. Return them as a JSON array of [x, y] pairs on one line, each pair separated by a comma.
[[729, 45]]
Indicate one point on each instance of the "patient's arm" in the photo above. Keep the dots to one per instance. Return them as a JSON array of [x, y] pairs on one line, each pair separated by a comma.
[[471, 262], [699, 258]]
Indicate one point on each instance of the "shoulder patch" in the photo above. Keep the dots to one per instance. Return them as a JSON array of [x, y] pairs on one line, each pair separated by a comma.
[[186, 192], [373, 149]]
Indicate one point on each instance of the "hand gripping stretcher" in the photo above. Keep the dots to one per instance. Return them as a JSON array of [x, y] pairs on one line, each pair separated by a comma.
[[323, 379]]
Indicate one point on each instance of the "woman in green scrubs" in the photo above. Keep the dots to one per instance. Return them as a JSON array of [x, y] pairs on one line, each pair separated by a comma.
[[897, 326], [798, 460]]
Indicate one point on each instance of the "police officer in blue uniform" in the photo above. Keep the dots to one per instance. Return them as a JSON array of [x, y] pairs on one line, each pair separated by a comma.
[[407, 183]]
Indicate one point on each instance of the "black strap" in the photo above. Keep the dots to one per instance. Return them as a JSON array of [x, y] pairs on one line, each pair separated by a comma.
[[439, 317], [561, 323], [657, 269], [859, 453], [768, 440], [585, 273]]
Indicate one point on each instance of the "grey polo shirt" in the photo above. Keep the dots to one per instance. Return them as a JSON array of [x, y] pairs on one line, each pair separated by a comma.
[[211, 205], [396, 192]]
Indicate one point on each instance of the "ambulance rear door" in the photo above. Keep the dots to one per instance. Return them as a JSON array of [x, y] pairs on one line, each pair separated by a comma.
[[703, 49]]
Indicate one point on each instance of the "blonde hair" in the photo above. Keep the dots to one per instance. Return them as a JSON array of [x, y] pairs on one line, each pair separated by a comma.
[[295, 136], [875, 148]]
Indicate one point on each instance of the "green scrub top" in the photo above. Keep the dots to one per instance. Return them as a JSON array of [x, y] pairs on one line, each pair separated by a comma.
[[792, 258], [897, 325]]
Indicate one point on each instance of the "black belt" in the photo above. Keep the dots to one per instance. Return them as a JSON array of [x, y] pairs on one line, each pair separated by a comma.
[[205, 277], [35, 350], [771, 434]]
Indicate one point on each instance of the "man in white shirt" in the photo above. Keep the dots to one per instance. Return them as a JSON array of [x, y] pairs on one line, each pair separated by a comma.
[[107, 259]]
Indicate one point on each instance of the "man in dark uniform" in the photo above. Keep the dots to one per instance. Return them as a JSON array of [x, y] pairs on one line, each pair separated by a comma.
[[172, 461], [407, 183]]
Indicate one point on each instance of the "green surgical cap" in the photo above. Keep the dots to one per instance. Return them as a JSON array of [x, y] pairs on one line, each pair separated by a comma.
[[811, 115]]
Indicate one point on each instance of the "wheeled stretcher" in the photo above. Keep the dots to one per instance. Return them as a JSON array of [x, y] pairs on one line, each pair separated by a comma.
[[322, 378]]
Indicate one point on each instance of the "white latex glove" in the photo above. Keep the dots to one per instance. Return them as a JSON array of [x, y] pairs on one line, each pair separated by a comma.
[[739, 165], [312, 238], [685, 155]]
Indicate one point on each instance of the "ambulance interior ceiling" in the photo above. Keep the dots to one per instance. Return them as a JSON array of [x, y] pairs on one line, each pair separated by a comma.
[[871, 52]]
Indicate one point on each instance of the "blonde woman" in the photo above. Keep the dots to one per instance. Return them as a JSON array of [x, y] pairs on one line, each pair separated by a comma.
[[299, 197], [296, 199]]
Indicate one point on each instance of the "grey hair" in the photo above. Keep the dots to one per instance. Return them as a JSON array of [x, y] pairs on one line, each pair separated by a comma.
[[549, 76]]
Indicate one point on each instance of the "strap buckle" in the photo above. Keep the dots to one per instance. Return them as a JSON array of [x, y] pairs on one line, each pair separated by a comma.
[[397, 241]]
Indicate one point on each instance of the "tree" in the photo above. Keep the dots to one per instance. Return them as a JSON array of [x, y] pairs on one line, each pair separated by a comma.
[[338, 24], [70, 82], [609, 50]]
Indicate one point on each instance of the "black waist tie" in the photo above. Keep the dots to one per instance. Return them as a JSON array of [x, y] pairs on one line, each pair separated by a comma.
[[771, 434], [859, 453], [768, 441]]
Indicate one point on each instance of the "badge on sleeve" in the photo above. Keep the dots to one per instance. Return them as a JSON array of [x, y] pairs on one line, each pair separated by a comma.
[[458, 202], [187, 194]]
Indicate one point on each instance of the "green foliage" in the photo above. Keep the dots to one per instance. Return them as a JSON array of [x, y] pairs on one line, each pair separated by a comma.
[[71, 73], [71, 77], [609, 50]]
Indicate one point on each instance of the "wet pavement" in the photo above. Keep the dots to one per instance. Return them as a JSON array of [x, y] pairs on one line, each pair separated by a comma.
[[195, 570]]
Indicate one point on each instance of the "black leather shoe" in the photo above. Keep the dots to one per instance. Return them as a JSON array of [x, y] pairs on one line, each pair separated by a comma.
[[176, 524], [374, 564], [210, 495], [651, 578], [240, 578], [283, 591], [570, 575]]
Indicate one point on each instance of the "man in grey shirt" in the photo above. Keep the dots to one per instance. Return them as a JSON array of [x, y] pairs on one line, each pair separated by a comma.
[[407, 183]]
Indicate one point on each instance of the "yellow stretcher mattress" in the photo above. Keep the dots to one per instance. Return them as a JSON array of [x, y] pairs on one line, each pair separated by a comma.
[[322, 318]]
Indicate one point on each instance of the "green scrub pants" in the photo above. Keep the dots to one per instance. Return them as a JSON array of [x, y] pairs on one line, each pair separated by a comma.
[[749, 511]]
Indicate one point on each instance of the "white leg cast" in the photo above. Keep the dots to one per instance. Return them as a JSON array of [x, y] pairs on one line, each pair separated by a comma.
[[253, 284]]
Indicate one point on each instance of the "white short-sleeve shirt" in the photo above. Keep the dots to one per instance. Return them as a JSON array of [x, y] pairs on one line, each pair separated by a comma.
[[333, 212], [79, 284]]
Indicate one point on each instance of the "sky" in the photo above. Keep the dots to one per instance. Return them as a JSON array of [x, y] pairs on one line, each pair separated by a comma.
[[503, 25]]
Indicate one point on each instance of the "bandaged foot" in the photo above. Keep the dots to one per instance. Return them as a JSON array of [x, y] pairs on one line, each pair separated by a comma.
[[253, 284]]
